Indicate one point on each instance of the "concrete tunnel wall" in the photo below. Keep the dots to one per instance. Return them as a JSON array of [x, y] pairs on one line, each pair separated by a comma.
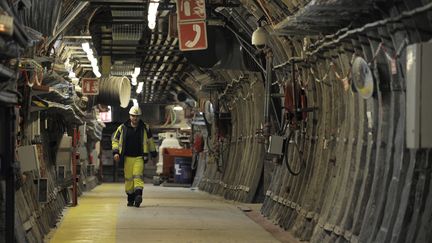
[[360, 183]]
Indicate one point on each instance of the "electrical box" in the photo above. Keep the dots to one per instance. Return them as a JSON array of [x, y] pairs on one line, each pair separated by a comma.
[[61, 173], [276, 145], [42, 189], [28, 158], [64, 153], [419, 96], [35, 127]]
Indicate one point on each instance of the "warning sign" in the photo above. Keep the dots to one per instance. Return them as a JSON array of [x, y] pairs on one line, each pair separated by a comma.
[[90, 86], [191, 10]]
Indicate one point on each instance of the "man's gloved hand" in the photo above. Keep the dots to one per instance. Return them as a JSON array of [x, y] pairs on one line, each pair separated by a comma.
[[116, 157]]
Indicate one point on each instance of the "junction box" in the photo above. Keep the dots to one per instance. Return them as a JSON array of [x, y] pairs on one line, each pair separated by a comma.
[[419, 96]]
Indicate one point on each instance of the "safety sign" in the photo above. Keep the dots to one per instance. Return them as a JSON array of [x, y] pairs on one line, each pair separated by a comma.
[[191, 10], [192, 36], [90, 86], [192, 31]]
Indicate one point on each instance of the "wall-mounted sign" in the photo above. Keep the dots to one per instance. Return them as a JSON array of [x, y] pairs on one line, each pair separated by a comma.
[[192, 31], [192, 36], [191, 10], [90, 86], [105, 116]]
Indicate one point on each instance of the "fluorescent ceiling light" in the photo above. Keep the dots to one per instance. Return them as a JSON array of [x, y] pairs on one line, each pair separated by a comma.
[[152, 12], [86, 47], [140, 87], [134, 81], [152, 25], [97, 73], [137, 71], [135, 102], [94, 63]]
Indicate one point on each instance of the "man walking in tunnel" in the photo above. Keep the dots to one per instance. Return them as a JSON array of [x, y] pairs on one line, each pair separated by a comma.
[[132, 143]]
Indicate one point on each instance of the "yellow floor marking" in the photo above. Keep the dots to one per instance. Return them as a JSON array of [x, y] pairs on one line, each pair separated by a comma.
[[94, 219]]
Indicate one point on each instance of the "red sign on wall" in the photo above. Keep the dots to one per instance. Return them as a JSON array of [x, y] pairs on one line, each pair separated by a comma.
[[192, 36], [188, 10], [90, 86], [105, 116]]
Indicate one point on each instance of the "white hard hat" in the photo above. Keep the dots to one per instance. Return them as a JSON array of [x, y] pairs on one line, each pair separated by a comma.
[[135, 110]]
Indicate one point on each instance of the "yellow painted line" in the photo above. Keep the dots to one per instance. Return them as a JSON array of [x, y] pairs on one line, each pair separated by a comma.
[[94, 219]]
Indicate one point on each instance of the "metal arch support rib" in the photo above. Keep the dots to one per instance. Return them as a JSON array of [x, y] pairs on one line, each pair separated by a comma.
[[67, 21]]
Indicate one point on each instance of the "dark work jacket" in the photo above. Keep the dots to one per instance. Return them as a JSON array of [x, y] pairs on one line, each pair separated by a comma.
[[144, 137]]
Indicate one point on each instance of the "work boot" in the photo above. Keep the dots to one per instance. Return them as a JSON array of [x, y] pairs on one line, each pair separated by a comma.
[[131, 199], [138, 197]]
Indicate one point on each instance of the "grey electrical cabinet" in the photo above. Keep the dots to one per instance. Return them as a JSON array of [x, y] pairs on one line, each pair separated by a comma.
[[28, 158], [276, 145], [419, 96], [64, 153]]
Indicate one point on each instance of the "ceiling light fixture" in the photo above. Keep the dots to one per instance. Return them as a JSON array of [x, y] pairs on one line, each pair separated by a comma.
[[134, 75], [134, 81], [137, 71], [152, 11], [94, 63], [140, 87], [86, 47], [135, 102]]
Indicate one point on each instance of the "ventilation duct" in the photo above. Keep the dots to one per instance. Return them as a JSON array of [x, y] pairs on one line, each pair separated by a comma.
[[114, 91]]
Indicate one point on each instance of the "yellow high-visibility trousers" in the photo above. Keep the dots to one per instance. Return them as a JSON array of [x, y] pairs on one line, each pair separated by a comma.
[[133, 172]]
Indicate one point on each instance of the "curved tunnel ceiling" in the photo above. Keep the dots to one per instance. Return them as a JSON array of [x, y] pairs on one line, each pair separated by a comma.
[[346, 174]]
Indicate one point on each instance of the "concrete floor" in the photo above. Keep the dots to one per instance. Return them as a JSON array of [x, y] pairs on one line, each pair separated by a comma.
[[167, 214]]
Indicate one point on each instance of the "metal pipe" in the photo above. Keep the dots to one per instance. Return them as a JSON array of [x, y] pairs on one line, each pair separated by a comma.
[[269, 67], [294, 87], [67, 21], [74, 168], [8, 171]]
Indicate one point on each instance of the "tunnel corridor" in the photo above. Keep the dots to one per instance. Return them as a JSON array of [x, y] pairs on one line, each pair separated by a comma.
[[317, 112]]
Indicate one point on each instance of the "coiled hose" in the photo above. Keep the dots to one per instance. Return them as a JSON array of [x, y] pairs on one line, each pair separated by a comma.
[[300, 154]]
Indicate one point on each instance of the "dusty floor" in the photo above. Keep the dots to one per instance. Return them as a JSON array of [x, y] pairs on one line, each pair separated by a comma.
[[167, 214]]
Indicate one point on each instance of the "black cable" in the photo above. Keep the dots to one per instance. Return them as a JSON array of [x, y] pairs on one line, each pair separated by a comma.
[[221, 158], [19, 33], [279, 123], [285, 158]]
